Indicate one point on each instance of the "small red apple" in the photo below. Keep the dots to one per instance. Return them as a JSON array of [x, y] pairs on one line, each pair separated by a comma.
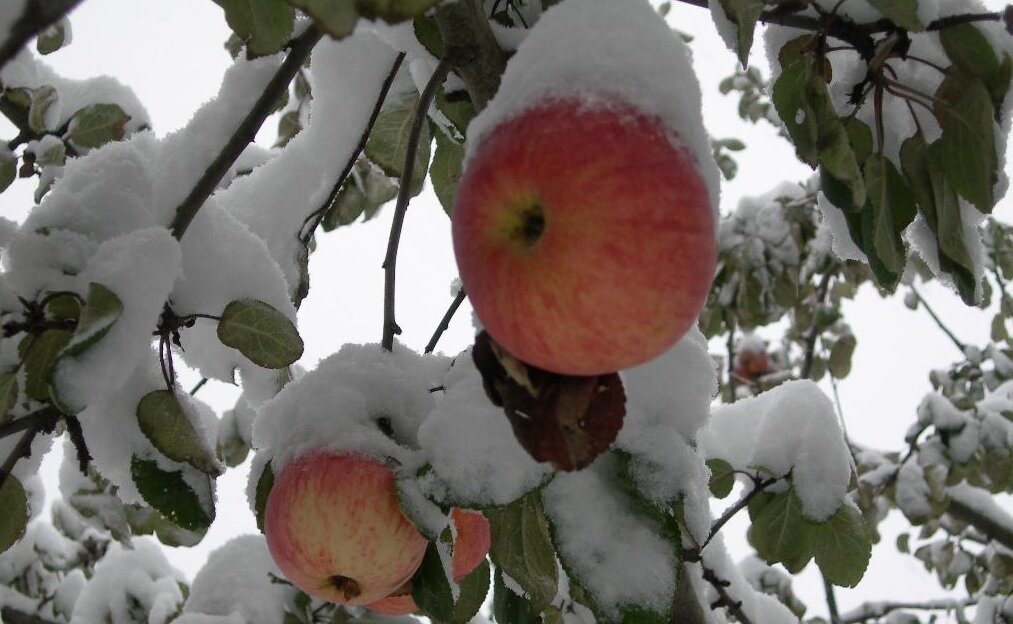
[[334, 528], [584, 236], [472, 540]]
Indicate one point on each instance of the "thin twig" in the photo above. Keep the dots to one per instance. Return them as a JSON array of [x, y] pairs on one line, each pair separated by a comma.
[[317, 215], [724, 598], [445, 321], [828, 587], [946, 330], [390, 327], [38, 15], [22, 448], [730, 345], [247, 130], [198, 386], [46, 417], [876, 610], [810, 341], [758, 486]]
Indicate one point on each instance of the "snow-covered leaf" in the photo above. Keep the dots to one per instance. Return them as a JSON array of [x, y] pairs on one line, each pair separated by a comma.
[[264, 25], [841, 546], [96, 125], [165, 423], [722, 477], [53, 37], [522, 548], [388, 142], [8, 394], [41, 100], [261, 333], [744, 14], [779, 532], [431, 587], [507, 606], [335, 17], [15, 512], [904, 13], [39, 354], [101, 309], [445, 171], [171, 495]]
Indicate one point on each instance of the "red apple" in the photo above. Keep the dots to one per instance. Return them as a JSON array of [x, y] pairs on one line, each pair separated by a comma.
[[472, 540], [584, 236], [334, 527]]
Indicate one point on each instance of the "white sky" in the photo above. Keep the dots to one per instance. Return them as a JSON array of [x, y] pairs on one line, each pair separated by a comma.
[[171, 54]]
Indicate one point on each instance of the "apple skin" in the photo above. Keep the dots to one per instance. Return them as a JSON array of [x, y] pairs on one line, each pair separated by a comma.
[[471, 545], [584, 238], [334, 528]]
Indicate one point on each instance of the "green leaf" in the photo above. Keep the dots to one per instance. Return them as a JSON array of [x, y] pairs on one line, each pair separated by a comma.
[[42, 99], [8, 169], [744, 14], [169, 429], [969, 50], [473, 590], [522, 547], [14, 518], [264, 25], [509, 607], [105, 509], [394, 11], [840, 356], [388, 142], [230, 448], [903, 13], [365, 191], [96, 125], [261, 333], [264, 484], [789, 96], [778, 532], [445, 171], [968, 147], [841, 546], [39, 354], [8, 394], [146, 521], [457, 108], [722, 477], [431, 587], [860, 138], [101, 309], [171, 495], [337, 18], [52, 38], [428, 34], [63, 306], [892, 209]]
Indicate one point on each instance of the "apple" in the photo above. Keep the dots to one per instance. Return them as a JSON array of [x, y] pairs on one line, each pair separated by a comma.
[[334, 528], [584, 236], [472, 540]]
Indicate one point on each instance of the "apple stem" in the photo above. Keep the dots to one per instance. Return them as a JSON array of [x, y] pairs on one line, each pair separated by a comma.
[[390, 326]]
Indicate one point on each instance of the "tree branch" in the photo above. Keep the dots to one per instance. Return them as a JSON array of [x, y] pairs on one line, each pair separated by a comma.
[[471, 49], [445, 321], [247, 130], [828, 587], [10, 615], [946, 330], [876, 610], [724, 598], [810, 341], [758, 486], [991, 527], [390, 327], [46, 417], [38, 16]]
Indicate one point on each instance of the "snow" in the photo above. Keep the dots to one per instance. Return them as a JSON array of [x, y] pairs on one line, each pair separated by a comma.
[[790, 428], [587, 511], [651, 72], [912, 491], [235, 583], [983, 503]]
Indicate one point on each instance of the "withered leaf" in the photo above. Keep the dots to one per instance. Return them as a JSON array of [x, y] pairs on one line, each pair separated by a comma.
[[565, 420]]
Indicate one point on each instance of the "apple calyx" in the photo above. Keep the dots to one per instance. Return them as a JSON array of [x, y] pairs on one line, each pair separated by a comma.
[[348, 587]]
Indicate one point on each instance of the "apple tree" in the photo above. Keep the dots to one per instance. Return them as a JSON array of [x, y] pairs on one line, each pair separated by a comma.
[[522, 494]]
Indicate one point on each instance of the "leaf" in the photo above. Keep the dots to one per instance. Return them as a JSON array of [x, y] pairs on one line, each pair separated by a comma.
[[969, 50], [521, 547], [365, 191], [841, 546], [53, 37], [39, 354], [264, 484], [171, 495], [778, 532], [431, 587], [8, 394], [789, 97], [903, 13], [968, 147], [457, 108], [565, 420], [96, 125], [472, 593], [892, 209], [445, 172], [428, 34], [722, 477], [14, 518], [394, 11], [264, 25], [105, 509], [387, 145], [63, 306], [8, 169], [42, 99], [744, 15], [166, 425], [261, 333], [839, 363], [337, 18], [230, 448], [146, 521], [101, 310], [507, 606]]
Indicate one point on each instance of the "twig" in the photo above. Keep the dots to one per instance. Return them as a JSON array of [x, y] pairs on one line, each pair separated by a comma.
[[318, 215], [390, 327], [828, 587], [993, 529], [38, 16], [730, 344], [77, 439], [247, 130], [445, 321], [198, 386], [46, 417], [810, 341], [965, 18], [946, 330], [758, 486], [724, 598], [876, 610], [23, 448]]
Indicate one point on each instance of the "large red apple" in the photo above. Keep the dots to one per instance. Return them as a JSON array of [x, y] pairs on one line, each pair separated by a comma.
[[584, 236], [472, 540], [334, 527]]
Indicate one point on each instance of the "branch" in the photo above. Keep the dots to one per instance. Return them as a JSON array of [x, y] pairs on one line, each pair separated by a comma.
[[828, 587], [38, 16], [390, 327], [992, 527], [46, 418], [318, 215], [10, 615], [22, 448], [247, 130], [471, 49], [730, 345], [956, 341], [445, 321], [810, 341], [758, 486], [724, 598], [876, 610]]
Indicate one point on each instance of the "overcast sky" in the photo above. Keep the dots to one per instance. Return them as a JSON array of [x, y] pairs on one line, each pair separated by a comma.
[[171, 54]]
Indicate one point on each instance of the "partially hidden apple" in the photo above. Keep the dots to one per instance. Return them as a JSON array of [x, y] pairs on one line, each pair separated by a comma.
[[472, 540], [334, 528], [584, 236]]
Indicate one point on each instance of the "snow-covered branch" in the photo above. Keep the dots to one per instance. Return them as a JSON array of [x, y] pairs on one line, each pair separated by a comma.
[[875, 610], [36, 17]]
